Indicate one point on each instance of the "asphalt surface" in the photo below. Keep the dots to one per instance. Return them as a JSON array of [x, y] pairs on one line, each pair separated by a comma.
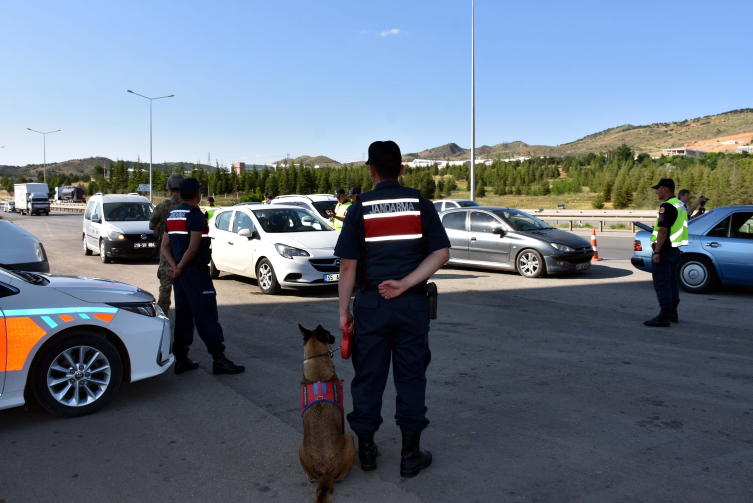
[[539, 390]]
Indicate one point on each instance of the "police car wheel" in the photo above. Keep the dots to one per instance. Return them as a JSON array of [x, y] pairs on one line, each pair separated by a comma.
[[697, 275], [103, 252], [265, 275], [530, 264], [76, 374], [87, 251], [214, 273]]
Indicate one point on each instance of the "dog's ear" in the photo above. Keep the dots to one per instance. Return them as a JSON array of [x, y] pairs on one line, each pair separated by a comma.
[[306, 333], [321, 334]]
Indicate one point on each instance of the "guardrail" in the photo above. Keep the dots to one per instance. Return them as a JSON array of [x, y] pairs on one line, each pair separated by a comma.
[[600, 216], [69, 207]]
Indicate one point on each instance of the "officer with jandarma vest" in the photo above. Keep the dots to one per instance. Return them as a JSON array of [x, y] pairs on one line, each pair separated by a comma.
[[670, 233], [391, 242]]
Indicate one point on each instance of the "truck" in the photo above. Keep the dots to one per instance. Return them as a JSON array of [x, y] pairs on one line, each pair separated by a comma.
[[69, 194], [32, 198]]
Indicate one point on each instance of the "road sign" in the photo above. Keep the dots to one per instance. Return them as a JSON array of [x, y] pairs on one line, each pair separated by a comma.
[[143, 187]]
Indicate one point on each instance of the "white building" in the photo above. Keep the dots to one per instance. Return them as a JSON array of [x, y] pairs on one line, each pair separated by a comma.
[[669, 152], [748, 149]]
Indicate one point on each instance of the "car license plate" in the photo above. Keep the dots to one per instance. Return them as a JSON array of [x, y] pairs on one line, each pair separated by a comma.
[[586, 265], [331, 277], [144, 245]]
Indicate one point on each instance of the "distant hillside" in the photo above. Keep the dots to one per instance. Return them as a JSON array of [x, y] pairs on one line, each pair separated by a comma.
[[319, 160], [84, 166]]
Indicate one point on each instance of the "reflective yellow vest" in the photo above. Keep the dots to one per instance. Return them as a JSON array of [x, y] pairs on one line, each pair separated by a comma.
[[340, 211], [678, 234]]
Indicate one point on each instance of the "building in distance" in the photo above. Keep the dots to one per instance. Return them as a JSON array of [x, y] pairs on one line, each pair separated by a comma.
[[669, 152]]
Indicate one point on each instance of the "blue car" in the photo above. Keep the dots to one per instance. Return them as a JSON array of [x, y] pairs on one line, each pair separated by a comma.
[[720, 250]]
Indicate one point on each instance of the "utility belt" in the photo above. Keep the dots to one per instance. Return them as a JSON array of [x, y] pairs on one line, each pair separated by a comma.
[[428, 289]]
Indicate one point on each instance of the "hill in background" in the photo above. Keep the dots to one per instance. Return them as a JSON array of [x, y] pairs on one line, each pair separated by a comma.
[[319, 160], [85, 166]]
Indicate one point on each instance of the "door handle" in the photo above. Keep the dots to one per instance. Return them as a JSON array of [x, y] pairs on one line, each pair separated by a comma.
[[713, 244], [473, 239], [230, 242]]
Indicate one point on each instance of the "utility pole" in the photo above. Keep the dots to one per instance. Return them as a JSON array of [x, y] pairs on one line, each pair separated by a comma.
[[473, 104]]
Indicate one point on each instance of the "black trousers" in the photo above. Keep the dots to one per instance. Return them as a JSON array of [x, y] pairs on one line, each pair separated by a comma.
[[196, 303], [666, 281]]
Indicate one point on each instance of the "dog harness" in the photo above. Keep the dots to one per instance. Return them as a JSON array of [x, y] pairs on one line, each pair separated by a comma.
[[329, 391]]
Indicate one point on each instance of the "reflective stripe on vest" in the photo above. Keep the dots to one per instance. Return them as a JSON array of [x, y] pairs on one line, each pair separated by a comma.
[[392, 220], [678, 234]]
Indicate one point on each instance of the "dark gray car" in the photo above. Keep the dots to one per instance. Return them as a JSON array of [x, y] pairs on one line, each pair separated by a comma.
[[505, 238]]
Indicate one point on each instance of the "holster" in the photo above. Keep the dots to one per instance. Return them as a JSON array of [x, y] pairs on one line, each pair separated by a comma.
[[431, 294]]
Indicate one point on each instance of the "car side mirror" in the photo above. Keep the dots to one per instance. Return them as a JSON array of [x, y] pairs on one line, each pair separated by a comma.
[[498, 230], [246, 233], [95, 218]]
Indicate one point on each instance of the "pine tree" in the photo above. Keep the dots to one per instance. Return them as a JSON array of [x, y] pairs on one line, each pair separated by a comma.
[[480, 190]]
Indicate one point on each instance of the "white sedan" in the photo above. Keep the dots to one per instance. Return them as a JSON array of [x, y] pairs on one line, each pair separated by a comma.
[[281, 246], [72, 340]]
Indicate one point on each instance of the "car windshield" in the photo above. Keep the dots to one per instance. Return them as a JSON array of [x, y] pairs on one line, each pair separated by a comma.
[[26, 277], [467, 204], [323, 206], [127, 212], [521, 221], [277, 221]]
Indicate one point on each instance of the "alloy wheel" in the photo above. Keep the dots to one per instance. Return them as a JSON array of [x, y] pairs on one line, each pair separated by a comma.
[[78, 376], [529, 263], [265, 276]]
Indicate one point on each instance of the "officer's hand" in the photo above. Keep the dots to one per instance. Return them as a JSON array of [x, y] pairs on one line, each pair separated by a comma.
[[391, 288], [656, 258], [345, 318]]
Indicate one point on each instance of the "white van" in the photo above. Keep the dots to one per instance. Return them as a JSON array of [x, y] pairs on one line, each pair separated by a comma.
[[118, 226]]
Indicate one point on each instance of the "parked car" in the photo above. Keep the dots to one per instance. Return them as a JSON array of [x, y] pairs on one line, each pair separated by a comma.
[[505, 238], [448, 204], [282, 246], [319, 203], [9, 207], [720, 249], [118, 226], [71, 340], [21, 250]]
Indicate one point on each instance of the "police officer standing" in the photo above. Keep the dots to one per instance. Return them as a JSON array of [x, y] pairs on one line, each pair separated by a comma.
[[187, 251], [392, 241], [337, 217], [670, 232], [157, 224], [353, 195], [212, 208]]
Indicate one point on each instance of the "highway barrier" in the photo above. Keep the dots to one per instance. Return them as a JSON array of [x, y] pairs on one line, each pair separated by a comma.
[[601, 217]]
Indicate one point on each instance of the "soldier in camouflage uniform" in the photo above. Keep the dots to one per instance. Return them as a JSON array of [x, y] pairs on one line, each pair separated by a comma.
[[157, 224]]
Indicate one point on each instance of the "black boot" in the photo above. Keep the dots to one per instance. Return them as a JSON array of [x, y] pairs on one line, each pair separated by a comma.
[[673, 315], [413, 459], [183, 365], [222, 365], [660, 321], [367, 452]]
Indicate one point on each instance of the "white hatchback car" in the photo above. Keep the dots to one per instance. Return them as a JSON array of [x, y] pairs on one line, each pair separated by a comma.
[[281, 246], [71, 340]]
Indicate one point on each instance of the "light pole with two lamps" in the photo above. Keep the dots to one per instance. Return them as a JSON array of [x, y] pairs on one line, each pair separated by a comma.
[[150, 136], [44, 147]]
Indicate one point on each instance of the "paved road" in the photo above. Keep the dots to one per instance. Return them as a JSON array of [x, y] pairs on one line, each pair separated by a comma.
[[539, 390]]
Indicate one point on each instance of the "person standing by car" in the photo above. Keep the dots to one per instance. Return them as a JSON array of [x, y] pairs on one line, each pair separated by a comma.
[[670, 232], [187, 251], [337, 217], [267, 198], [157, 224], [212, 208], [354, 194], [392, 241], [684, 197]]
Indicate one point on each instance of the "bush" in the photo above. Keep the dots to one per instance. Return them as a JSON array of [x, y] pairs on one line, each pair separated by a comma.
[[480, 190], [597, 202]]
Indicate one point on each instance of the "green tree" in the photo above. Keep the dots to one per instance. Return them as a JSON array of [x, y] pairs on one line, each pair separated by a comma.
[[480, 190], [606, 194], [597, 202], [623, 153]]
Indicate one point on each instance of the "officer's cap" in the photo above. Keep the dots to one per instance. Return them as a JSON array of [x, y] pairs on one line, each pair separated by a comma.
[[339, 192], [210, 199], [384, 152], [354, 191], [189, 186], [174, 181], [665, 182]]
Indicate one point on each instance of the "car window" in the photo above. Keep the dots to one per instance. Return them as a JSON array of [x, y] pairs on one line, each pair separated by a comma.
[[720, 230], [97, 212], [483, 222], [468, 204], [522, 221], [242, 221], [290, 220], [223, 222], [454, 221], [451, 204], [127, 212], [438, 205], [89, 208], [742, 225], [323, 206]]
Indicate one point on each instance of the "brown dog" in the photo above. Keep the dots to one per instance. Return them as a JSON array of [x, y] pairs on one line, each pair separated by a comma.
[[326, 452]]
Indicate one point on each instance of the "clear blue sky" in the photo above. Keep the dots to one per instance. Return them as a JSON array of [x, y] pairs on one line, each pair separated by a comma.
[[255, 80]]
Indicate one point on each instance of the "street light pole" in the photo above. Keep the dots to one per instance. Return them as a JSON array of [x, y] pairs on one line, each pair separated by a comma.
[[44, 147], [473, 104], [150, 136]]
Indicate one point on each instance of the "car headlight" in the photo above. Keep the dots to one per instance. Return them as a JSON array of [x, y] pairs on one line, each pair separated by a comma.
[[115, 234], [143, 308], [290, 252], [561, 247], [39, 249]]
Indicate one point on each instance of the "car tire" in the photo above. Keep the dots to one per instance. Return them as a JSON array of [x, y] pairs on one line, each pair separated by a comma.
[[87, 251], [214, 273], [697, 274], [50, 376], [530, 264], [265, 275], [103, 252]]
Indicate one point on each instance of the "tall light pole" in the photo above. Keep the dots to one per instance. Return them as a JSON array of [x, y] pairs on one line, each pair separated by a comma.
[[473, 104], [44, 147], [150, 136]]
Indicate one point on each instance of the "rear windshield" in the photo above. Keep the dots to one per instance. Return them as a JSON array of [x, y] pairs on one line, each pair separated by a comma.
[[467, 204], [323, 206], [127, 212], [522, 221]]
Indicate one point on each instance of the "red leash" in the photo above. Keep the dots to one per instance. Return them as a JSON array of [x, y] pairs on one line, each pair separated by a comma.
[[347, 345]]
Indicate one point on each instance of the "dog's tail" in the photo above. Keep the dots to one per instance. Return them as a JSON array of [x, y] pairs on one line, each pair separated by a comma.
[[324, 491]]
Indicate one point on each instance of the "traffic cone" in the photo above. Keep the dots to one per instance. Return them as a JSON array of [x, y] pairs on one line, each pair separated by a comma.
[[593, 245]]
